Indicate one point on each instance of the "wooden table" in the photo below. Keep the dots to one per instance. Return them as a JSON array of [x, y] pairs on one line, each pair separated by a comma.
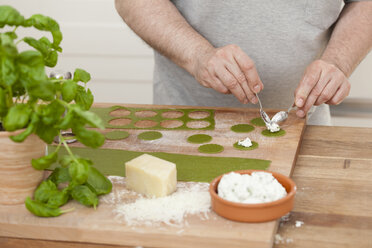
[[334, 200]]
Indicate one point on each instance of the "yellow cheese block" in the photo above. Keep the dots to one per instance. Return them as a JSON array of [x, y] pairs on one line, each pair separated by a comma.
[[151, 176]]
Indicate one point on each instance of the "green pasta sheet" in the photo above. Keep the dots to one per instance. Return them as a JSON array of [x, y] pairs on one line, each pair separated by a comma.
[[104, 114], [189, 167]]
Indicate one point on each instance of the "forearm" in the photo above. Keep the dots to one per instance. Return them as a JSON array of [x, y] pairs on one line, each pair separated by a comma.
[[159, 24], [351, 38]]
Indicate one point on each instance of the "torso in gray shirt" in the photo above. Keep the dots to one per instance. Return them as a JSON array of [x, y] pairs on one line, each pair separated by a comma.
[[281, 37]]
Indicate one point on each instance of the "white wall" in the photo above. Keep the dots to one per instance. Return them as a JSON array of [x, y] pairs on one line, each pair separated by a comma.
[[96, 39]]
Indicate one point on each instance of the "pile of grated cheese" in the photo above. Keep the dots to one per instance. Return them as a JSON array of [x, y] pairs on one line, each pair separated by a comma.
[[190, 198]]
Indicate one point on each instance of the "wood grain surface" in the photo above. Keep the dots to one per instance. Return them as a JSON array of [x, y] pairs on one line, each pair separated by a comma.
[[100, 226], [333, 199], [334, 188], [18, 177]]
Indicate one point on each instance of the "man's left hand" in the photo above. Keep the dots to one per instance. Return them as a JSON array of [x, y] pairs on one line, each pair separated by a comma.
[[322, 82]]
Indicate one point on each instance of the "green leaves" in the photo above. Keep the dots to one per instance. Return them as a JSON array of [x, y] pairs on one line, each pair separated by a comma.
[[31, 101], [17, 117], [60, 175], [69, 90], [29, 130], [78, 170], [44, 162], [89, 117], [33, 77], [41, 210], [52, 112], [84, 98], [44, 46], [10, 16], [46, 23], [84, 195], [3, 103], [81, 75], [44, 191], [89, 138], [97, 182]]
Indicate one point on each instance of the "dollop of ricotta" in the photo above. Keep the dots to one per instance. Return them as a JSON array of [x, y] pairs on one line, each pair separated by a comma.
[[273, 127], [259, 187], [245, 142]]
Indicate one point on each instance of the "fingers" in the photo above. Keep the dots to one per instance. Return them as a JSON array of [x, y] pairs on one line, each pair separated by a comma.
[[322, 83], [229, 70], [234, 69], [248, 68], [307, 83], [341, 93], [231, 83]]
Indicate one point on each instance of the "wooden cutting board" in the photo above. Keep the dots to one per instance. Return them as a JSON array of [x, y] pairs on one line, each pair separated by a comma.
[[100, 226]]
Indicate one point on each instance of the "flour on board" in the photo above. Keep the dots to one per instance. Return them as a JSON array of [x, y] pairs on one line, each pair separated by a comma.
[[134, 209]]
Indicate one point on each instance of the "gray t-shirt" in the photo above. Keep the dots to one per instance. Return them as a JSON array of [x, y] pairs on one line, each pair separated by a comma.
[[282, 38]]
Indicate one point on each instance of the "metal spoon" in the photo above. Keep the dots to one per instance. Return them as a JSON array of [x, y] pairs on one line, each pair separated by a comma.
[[263, 114], [282, 115]]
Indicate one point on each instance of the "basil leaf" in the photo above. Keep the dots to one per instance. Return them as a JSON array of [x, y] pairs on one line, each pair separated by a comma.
[[81, 75], [87, 137], [52, 112], [29, 130], [8, 47], [58, 198], [44, 46], [65, 161], [59, 175], [66, 121], [46, 23], [44, 191], [39, 209], [84, 195], [97, 182], [44, 162], [89, 117], [84, 98], [17, 117], [33, 77], [69, 90], [8, 71], [46, 132], [79, 171], [3, 103], [10, 16]]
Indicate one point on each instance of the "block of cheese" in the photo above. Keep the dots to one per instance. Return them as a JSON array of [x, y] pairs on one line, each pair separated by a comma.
[[151, 176]]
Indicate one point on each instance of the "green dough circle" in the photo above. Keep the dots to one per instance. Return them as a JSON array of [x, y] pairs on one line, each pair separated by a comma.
[[199, 138], [254, 146], [267, 133], [210, 148], [150, 135], [242, 128], [116, 135], [258, 122]]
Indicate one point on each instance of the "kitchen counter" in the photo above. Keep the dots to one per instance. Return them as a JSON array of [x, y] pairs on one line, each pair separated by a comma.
[[333, 175]]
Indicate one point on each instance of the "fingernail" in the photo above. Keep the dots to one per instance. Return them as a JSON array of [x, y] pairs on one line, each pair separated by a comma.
[[300, 113], [256, 88], [299, 102]]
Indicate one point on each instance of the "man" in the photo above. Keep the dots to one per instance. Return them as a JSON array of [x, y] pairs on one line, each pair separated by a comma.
[[220, 53]]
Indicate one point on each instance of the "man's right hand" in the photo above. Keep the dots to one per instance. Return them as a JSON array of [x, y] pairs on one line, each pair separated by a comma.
[[228, 70]]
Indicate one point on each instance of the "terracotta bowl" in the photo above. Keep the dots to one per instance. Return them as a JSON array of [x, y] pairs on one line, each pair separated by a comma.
[[260, 212]]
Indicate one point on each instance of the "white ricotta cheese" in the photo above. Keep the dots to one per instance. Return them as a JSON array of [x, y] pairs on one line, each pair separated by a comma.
[[259, 187], [246, 142], [273, 127]]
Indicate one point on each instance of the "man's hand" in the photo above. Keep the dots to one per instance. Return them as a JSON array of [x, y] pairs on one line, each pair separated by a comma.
[[322, 83], [228, 70]]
